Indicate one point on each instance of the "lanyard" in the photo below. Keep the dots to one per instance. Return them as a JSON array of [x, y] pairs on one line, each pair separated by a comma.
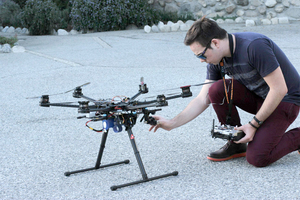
[[228, 117]]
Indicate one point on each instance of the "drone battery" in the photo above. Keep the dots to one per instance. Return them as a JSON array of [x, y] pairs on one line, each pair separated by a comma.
[[110, 123]]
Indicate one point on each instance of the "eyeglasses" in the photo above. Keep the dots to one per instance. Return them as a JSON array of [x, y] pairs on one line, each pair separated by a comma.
[[201, 55]]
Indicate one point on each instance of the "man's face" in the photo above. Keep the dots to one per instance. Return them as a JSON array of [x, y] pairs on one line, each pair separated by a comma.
[[208, 55]]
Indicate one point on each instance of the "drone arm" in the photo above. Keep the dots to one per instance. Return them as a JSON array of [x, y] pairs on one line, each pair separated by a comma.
[[174, 97], [135, 96], [161, 100], [88, 98], [186, 92], [143, 89], [58, 105]]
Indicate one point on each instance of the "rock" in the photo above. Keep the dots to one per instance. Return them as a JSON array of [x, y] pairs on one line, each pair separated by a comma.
[[295, 2], [169, 23], [160, 25], [293, 12], [150, 1], [283, 20], [10, 30], [180, 22], [18, 49], [189, 23], [257, 22], [18, 30], [229, 9], [256, 3], [154, 29], [6, 48], [271, 14], [266, 22], [171, 8], [250, 22], [240, 12], [25, 31], [219, 7], [239, 20], [275, 20], [229, 21], [175, 27], [220, 21], [62, 32], [161, 3], [183, 27], [74, 32], [147, 29], [53, 32], [165, 28], [251, 13], [262, 9], [286, 3], [279, 8], [242, 2], [5, 29], [270, 3]]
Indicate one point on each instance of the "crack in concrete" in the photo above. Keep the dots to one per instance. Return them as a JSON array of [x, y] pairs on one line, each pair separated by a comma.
[[55, 59]]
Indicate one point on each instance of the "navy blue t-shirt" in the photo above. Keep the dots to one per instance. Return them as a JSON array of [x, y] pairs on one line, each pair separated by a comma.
[[255, 57]]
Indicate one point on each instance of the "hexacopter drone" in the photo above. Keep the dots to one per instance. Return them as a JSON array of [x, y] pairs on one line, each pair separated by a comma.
[[116, 113], [122, 111]]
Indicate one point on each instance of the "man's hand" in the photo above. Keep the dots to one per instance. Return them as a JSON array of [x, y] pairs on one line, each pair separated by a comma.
[[249, 133], [161, 123]]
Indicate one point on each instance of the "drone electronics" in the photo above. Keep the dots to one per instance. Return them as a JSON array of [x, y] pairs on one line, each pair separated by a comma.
[[226, 132], [116, 113]]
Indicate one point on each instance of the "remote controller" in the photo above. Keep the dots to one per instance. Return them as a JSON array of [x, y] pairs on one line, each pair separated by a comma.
[[226, 132]]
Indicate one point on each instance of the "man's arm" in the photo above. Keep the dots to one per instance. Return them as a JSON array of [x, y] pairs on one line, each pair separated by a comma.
[[278, 90], [194, 108]]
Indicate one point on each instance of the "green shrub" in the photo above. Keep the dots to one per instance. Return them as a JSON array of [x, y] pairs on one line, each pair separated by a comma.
[[10, 14], [174, 17], [105, 15], [65, 20], [40, 16], [62, 4], [11, 41], [21, 3]]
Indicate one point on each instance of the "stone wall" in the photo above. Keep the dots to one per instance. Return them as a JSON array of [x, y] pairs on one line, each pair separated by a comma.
[[256, 10]]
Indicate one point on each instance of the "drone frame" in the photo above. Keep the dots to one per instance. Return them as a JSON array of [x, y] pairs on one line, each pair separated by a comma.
[[115, 115]]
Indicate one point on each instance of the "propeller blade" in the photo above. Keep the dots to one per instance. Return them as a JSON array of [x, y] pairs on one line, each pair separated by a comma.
[[76, 87], [190, 86], [36, 97]]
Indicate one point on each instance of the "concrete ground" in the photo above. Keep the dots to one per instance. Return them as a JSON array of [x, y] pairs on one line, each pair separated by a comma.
[[39, 144]]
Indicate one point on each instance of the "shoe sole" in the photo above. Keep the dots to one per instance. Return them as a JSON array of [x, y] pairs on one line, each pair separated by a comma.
[[228, 158]]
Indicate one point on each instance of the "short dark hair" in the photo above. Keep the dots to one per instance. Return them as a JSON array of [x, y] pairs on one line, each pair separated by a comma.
[[203, 31]]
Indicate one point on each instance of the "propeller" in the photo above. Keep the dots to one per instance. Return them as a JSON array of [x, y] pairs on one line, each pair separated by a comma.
[[195, 85], [36, 97]]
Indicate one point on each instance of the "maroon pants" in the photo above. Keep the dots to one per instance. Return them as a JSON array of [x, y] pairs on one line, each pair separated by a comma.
[[270, 142]]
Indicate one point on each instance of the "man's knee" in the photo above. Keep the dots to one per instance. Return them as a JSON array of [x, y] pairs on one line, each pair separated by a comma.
[[258, 160], [216, 90]]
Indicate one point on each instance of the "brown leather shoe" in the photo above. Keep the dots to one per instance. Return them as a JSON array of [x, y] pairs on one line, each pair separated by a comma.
[[228, 151]]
